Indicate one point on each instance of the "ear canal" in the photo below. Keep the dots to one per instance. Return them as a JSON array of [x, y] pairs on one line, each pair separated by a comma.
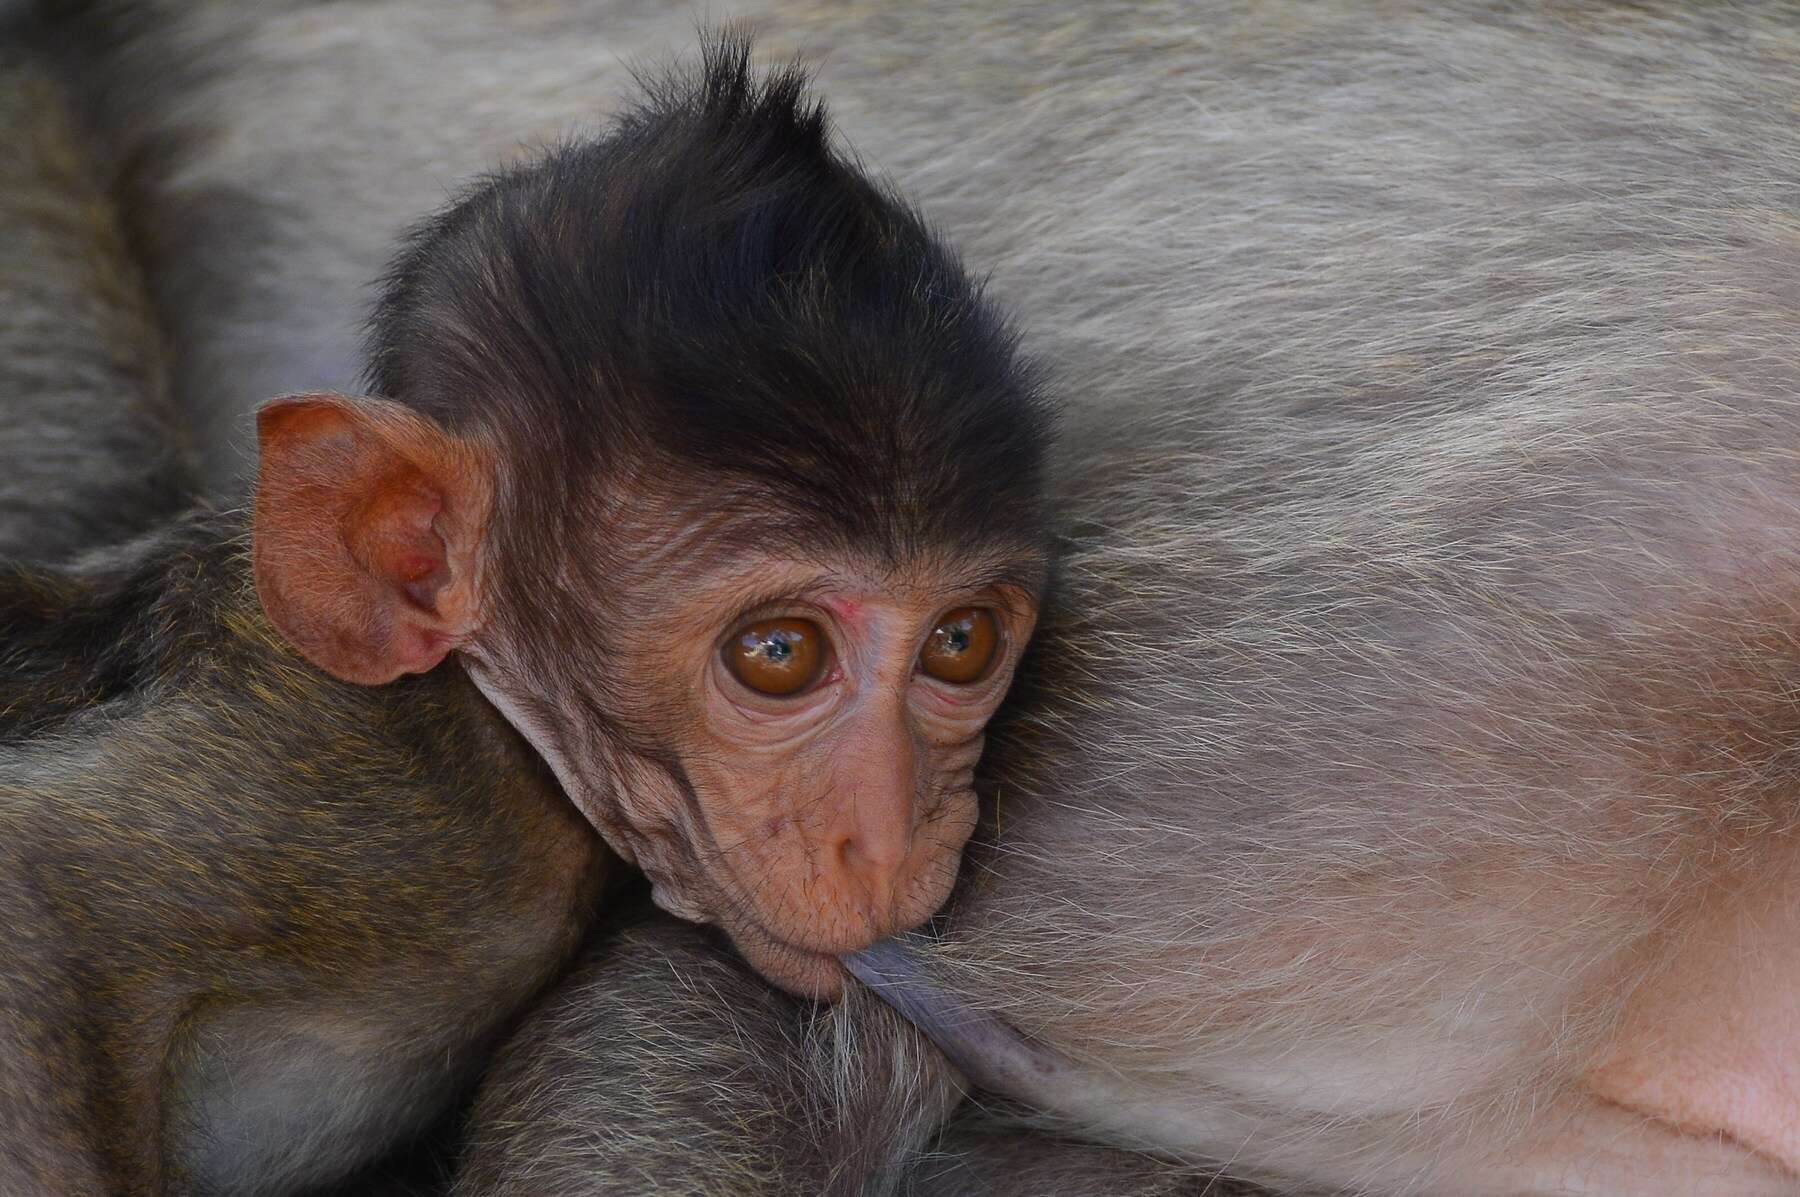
[[366, 535]]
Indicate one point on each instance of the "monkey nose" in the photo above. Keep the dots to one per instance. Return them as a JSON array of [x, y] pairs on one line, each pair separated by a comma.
[[873, 851]]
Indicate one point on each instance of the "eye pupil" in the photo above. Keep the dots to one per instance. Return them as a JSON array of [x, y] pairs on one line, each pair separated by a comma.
[[777, 649], [958, 640]]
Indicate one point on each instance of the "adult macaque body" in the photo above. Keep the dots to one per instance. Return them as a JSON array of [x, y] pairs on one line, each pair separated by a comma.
[[720, 480], [87, 431], [1402, 801]]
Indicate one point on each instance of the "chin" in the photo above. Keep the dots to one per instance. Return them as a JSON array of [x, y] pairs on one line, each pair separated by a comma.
[[803, 973]]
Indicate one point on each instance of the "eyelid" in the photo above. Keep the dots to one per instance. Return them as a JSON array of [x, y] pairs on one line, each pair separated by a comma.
[[1006, 614], [783, 601], [1011, 603], [776, 606]]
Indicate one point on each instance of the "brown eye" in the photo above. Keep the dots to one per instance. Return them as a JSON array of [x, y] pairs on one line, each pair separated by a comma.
[[777, 656], [962, 646]]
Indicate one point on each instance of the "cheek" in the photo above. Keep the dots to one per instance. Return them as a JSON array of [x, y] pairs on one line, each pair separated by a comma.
[[950, 758], [946, 827], [938, 851], [648, 801], [758, 815], [648, 823]]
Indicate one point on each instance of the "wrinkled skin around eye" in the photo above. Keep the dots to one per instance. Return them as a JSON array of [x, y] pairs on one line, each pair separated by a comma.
[[805, 819]]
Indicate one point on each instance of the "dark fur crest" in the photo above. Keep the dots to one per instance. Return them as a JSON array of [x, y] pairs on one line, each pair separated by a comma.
[[711, 287]]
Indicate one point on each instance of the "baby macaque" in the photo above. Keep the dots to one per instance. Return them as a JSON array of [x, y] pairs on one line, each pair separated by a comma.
[[722, 480]]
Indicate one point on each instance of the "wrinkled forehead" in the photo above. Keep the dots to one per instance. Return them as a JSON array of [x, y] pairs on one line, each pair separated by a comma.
[[680, 530]]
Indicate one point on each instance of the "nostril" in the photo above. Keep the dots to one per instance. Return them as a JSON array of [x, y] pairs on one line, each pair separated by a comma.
[[886, 852], [875, 866], [855, 856]]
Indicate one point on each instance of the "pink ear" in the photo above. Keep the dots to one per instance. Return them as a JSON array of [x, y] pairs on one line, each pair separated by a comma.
[[367, 534]]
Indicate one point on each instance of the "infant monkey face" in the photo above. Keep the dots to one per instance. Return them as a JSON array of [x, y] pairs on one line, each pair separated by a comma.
[[783, 739], [724, 481], [813, 783]]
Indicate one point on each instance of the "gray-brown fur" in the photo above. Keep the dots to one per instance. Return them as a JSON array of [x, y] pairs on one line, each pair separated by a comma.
[[223, 196], [983, 1153], [88, 445], [1426, 633], [260, 924], [736, 1088]]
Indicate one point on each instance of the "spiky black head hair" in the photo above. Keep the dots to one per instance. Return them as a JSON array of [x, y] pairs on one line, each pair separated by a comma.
[[710, 285]]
